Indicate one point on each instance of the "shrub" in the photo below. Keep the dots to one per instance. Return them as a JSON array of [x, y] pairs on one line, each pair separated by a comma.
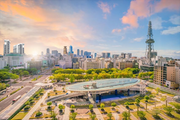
[[38, 114], [102, 106], [26, 107]]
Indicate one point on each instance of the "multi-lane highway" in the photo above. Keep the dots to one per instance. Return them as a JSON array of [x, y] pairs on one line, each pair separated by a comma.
[[27, 85]]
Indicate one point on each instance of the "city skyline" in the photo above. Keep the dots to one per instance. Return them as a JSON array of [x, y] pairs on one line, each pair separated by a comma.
[[95, 26]]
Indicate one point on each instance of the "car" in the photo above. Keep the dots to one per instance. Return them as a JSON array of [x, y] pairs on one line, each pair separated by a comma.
[[66, 93]]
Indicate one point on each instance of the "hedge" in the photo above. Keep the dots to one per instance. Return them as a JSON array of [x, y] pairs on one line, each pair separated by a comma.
[[15, 91], [3, 99]]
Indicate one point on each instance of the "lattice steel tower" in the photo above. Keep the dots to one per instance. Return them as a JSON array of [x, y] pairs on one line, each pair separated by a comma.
[[150, 45]]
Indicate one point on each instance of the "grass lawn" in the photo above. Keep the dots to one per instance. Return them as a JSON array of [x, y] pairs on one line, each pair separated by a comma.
[[107, 118], [148, 115], [19, 116], [150, 102], [85, 119], [176, 115], [52, 93], [42, 116]]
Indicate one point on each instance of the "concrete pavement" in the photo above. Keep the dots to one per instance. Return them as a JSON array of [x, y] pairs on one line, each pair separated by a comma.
[[67, 112], [36, 106]]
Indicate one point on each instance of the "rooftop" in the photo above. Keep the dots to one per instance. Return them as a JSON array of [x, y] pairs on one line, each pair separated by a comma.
[[13, 54]]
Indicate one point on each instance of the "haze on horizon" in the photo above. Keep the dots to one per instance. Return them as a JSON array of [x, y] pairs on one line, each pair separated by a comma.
[[96, 26]]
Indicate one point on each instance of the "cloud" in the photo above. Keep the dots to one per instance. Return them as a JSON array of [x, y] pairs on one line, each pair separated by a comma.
[[31, 23], [175, 20], [157, 23], [116, 30], [114, 5], [171, 30], [141, 9], [138, 39], [104, 7]]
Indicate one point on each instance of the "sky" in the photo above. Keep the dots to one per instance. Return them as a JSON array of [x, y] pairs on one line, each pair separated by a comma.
[[96, 26]]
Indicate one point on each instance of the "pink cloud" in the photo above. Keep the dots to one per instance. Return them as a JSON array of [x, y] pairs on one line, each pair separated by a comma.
[[104, 7], [116, 30], [141, 9]]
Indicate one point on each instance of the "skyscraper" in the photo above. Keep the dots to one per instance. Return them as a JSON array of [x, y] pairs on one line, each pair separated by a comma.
[[95, 54], [47, 51], [82, 52], [70, 49], [6, 47], [108, 55], [19, 48], [150, 46], [78, 52], [65, 50], [55, 52]]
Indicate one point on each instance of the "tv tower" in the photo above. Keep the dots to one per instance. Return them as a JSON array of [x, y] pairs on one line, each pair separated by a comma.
[[149, 42]]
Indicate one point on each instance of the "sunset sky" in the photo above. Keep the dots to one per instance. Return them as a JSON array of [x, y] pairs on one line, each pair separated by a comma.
[[108, 25]]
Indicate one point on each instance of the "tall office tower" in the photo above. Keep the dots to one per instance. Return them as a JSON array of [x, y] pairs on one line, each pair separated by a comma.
[[55, 52], [19, 48], [65, 50], [70, 49], [123, 55], [47, 51], [78, 52], [115, 56], [82, 52], [6, 47], [149, 42], [108, 55], [103, 55], [42, 53], [95, 54]]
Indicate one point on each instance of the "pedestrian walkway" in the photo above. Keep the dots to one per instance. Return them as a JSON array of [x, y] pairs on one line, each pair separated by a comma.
[[98, 114], [36, 106], [116, 116], [67, 112]]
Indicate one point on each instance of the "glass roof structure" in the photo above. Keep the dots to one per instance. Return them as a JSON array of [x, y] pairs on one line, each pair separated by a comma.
[[105, 84]]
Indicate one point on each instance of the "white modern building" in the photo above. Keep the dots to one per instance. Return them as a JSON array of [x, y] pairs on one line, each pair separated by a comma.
[[6, 47], [66, 62], [19, 48], [3, 63], [14, 59]]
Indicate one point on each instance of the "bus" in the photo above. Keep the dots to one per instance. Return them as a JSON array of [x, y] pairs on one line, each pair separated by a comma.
[[17, 98]]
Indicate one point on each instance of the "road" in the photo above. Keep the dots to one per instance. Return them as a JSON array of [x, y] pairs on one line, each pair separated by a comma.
[[27, 86]]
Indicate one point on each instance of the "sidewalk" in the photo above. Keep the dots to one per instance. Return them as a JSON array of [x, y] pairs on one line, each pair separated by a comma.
[[67, 112], [35, 107]]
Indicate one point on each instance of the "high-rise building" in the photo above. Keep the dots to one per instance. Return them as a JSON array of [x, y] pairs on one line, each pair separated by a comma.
[[108, 55], [47, 51], [70, 49], [6, 47], [82, 52], [42, 53], [115, 56], [65, 50], [149, 42], [55, 52], [77, 52], [95, 54], [177, 69], [160, 75], [19, 48]]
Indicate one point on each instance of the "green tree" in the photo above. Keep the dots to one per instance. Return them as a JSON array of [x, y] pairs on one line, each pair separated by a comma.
[[169, 109], [110, 116], [53, 115], [91, 107], [177, 106], [61, 107], [49, 104], [127, 104], [113, 104], [126, 115], [25, 73], [141, 114], [73, 116], [92, 116], [146, 100], [137, 103], [157, 90], [102, 106], [71, 78], [72, 108]]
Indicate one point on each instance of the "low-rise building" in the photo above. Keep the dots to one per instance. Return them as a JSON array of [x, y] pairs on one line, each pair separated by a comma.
[[177, 70], [14, 59]]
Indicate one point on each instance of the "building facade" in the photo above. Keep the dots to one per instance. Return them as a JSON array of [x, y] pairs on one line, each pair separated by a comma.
[[6, 47], [65, 50], [19, 48], [55, 53], [160, 75], [14, 59], [177, 70]]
